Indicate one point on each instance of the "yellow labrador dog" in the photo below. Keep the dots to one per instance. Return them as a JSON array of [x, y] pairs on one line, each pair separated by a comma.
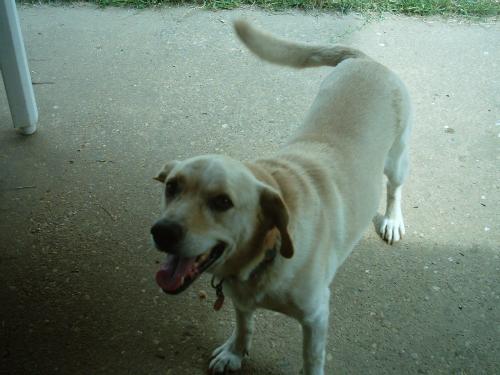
[[273, 232]]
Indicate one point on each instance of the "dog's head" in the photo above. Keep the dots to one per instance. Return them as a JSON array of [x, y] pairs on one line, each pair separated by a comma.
[[216, 215]]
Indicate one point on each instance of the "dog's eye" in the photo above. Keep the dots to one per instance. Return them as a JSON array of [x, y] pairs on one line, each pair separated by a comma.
[[172, 188], [221, 203]]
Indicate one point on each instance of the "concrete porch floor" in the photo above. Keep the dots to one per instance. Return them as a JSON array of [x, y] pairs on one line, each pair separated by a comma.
[[122, 91]]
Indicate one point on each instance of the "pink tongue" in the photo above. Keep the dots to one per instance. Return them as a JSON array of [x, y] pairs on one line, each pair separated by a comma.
[[169, 277]]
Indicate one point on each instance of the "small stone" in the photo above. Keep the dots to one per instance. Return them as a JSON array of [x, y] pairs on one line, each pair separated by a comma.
[[202, 295]]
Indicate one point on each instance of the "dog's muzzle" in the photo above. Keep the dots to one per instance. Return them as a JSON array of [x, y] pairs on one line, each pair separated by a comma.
[[167, 234]]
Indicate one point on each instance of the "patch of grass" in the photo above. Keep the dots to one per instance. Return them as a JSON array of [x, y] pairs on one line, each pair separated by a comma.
[[468, 8], [408, 7]]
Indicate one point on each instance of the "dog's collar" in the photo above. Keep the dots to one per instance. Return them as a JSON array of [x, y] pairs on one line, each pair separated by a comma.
[[254, 274], [268, 259], [269, 255]]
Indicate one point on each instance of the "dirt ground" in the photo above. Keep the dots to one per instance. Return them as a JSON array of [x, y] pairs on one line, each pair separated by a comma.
[[122, 91]]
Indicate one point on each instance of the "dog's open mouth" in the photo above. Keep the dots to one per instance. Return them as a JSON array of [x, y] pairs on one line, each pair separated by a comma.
[[177, 273]]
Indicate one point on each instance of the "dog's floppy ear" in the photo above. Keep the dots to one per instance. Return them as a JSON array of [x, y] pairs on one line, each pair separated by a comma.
[[276, 214], [162, 175]]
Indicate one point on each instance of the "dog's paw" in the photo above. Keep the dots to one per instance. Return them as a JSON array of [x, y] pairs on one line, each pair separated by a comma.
[[224, 360], [390, 230]]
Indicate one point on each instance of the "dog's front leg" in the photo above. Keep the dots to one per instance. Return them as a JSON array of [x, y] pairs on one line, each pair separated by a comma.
[[315, 330], [229, 355]]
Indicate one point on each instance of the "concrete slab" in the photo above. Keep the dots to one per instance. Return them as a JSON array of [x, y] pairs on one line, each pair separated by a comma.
[[121, 91]]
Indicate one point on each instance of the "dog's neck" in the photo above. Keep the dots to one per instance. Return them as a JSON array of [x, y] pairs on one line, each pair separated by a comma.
[[269, 256], [250, 276], [258, 261], [260, 256], [254, 270]]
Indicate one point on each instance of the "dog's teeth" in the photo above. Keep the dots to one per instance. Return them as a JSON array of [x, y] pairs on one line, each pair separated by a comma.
[[202, 258], [182, 280]]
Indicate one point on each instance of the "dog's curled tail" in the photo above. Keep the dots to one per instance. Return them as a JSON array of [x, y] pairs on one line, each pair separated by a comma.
[[283, 52]]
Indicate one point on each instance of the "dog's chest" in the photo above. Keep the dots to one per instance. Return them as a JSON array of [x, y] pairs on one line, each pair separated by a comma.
[[253, 295]]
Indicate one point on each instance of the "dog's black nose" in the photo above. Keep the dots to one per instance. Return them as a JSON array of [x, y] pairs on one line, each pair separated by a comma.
[[167, 234]]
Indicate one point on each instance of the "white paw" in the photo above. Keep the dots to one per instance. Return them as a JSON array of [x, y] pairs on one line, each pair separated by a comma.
[[223, 359], [390, 230]]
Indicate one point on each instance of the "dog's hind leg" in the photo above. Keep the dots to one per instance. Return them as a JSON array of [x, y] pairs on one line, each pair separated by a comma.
[[391, 226], [228, 356]]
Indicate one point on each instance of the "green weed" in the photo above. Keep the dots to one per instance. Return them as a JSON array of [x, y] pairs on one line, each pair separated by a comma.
[[467, 8]]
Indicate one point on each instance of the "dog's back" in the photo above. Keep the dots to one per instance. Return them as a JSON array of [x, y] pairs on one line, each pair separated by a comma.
[[361, 108], [327, 116]]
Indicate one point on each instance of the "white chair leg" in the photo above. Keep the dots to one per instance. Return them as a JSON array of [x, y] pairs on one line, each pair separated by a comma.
[[15, 72]]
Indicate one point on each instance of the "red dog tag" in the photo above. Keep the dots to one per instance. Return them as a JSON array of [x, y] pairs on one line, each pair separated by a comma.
[[219, 302]]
